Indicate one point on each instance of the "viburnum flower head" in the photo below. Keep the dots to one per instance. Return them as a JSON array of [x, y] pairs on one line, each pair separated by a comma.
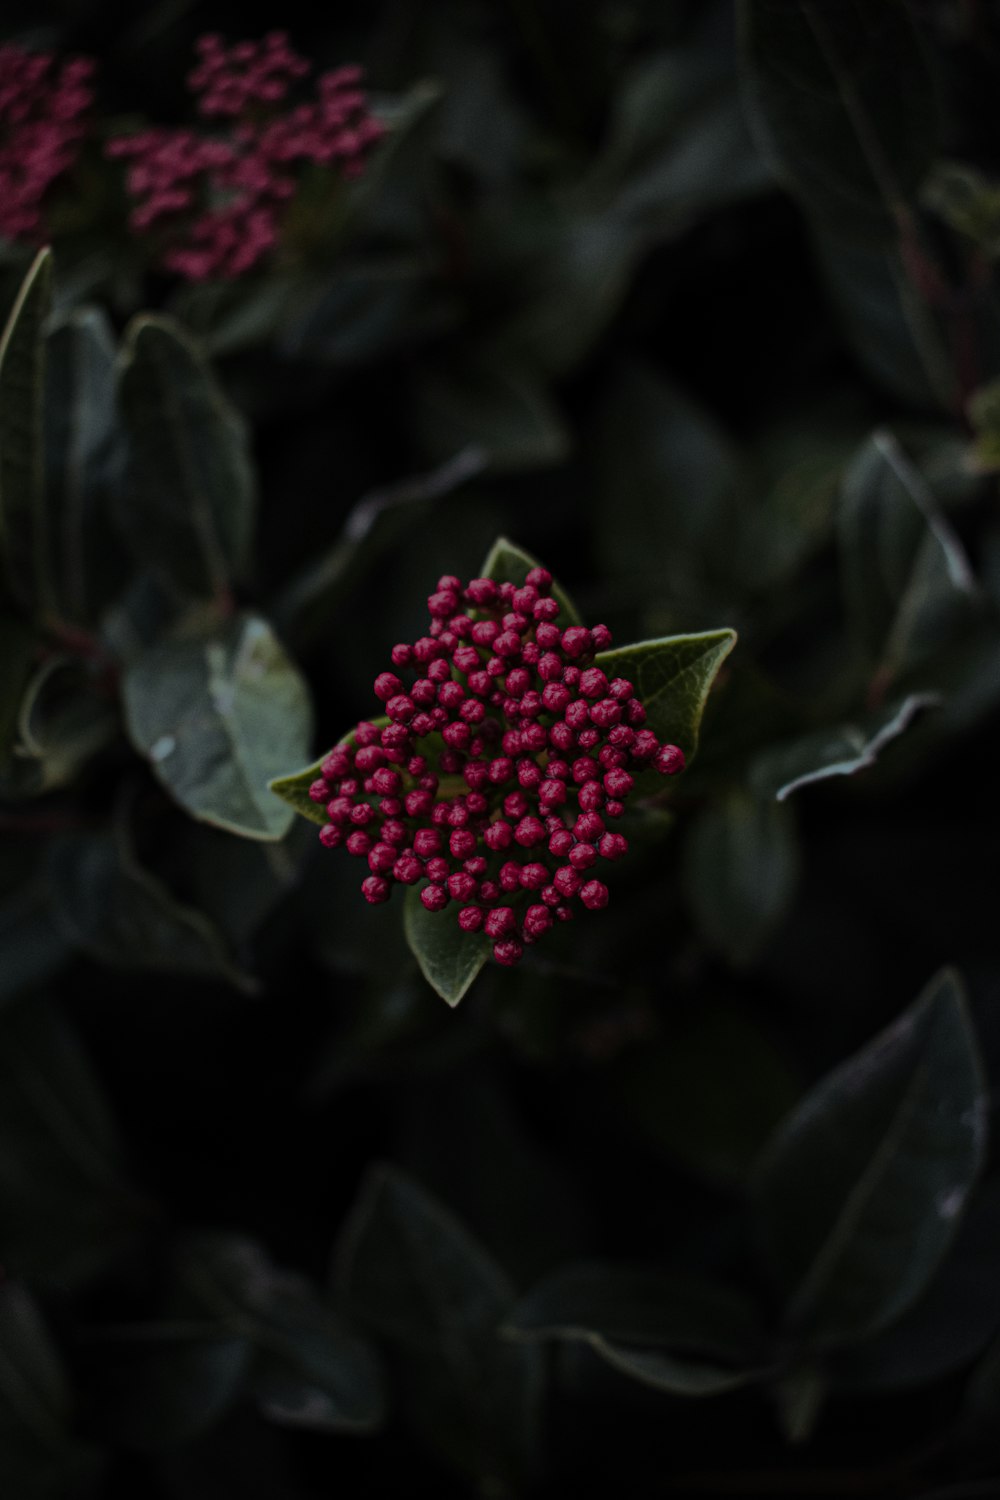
[[504, 758], [218, 200], [43, 108]]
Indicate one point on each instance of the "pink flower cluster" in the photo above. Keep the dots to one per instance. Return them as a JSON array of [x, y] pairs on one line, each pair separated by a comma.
[[42, 125], [218, 201], [501, 767]]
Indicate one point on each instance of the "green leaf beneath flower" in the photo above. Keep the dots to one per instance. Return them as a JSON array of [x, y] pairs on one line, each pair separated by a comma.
[[508, 563], [449, 958], [672, 677]]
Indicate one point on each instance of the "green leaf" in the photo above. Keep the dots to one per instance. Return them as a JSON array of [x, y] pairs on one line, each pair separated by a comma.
[[294, 788], [412, 1272], [841, 751], [968, 201], [121, 914], [907, 582], [861, 1191], [24, 519], [499, 409], [449, 958], [506, 562], [984, 414], [189, 514], [741, 865], [673, 677], [842, 104], [218, 717], [305, 1352], [164, 1385], [67, 1208], [82, 460]]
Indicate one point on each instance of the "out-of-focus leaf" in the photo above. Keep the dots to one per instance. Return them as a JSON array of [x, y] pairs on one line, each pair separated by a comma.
[[218, 717], [741, 868], [67, 715], [842, 103], [449, 958], [163, 1385], [980, 1418], [640, 1306], [668, 476], [908, 584], [82, 460], [304, 1351], [373, 526], [682, 1334], [412, 1272], [572, 279], [861, 1191], [140, 617], [948, 1326], [496, 407], [16, 650], [121, 914], [673, 678], [841, 751], [188, 510], [506, 562], [967, 201], [984, 414], [710, 1093], [890, 328], [41, 1458], [32, 945], [67, 1208], [367, 311], [24, 519]]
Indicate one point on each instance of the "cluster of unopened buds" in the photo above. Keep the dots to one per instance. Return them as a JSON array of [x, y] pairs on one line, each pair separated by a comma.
[[43, 109], [218, 200], [502, 769]]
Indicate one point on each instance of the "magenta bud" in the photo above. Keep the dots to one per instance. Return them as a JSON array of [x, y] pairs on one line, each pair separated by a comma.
[[470, 918], [437, 870], [330, 836], [462, 843], [498, 835], [594, 895], [319, 791], [387, 685], [508, 952], [500, 921], [434, 897], [582, 856], [618, 783], [375, 889], [669, 760]]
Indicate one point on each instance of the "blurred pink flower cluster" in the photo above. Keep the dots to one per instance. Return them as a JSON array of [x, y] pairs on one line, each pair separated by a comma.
[[217, 201], [43, 108]]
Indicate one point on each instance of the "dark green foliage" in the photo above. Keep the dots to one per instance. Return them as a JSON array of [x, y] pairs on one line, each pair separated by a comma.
[[697, 303]]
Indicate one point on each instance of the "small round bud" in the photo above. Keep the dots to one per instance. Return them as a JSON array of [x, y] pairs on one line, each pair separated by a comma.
[[387, 685], [443, 604], [669, 760], [566, 881], [560, 843], [375, 889], [533, 876], [593, 683], [529, 832], [537, 921], [507, 952], [434, 897], [400, 708], [498, 835], [437, 870], [618, 783], [500, 921], [582, 856], [407, 869], [358, 843], [510, 876], [319, 791], [330, 836], [612, 845], [381, 857], [594, 895], [601, 637], [461, 886], [462, 843], [576, 641], [426, 842], [401, 655], [470, 918]]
